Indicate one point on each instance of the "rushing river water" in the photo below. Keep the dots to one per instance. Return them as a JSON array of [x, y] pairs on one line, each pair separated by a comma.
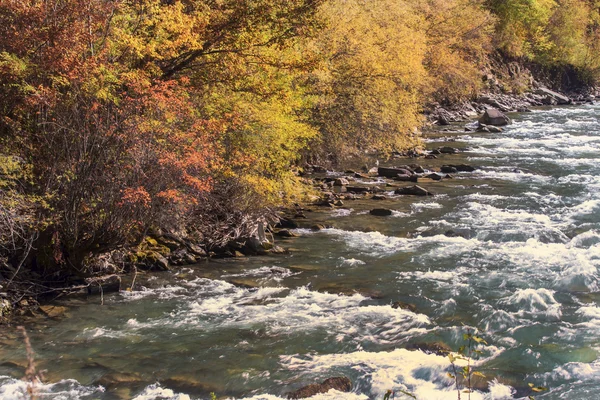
[[520, 264]]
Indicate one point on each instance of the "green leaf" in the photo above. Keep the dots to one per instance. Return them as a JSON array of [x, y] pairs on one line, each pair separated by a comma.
[[539, 389], [479, 340], [412, 396]]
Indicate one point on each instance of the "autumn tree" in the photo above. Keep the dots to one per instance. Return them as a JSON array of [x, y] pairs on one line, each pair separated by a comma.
[[126, 111]]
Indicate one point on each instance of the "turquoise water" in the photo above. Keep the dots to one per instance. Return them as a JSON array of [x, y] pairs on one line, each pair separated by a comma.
[[520, 265]]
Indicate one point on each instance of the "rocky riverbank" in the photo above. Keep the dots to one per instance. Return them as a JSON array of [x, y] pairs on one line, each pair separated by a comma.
[[512, 86], [404, 174]]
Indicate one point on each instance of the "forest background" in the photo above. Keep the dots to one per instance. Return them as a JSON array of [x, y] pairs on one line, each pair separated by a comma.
[[194, 117]]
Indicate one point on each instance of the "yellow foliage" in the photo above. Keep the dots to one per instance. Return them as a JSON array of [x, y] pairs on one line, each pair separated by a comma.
[[369, 83], [459, 36], [383, 60]]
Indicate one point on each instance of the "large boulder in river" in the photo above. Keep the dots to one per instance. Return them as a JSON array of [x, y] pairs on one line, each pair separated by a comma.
[[415, 190], [434, 176], [558, 98], [491, 116], [454, 168], [389, 172], [341, 182], [439, 348], [406, 178], [448, 150], [404, 306], [358, 189], [341, 384], [381, 212]]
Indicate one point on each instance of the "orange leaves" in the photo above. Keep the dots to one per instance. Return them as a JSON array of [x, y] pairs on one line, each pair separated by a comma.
[[137, 197]]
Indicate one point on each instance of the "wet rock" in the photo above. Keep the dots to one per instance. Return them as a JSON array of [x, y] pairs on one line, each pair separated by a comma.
[[406, 178], [404, 306], [278, 270], [278, 250], [317, 227], [558, 98], [379, 197], [488, 128], [339, 189], [341, 182], [358, 189], [430, 157], [188, 384], [103, 285], [373, 294], [443, 120], [454, 168], [285, 233], [151, 260], [413, 191], [53, 311], [318, 169], [434, 176], [287, 223], [196, 250], [338, 203], [300, 215], [189, 259], [452, 233], [255, 246], [448, 169], [439, 348], [114, 379], [304, 268], [448, 150], [492, 116], [341, 384], [168, 242], [381, 212], [181, 257], [389, 172], [238, 254], [244, 283]]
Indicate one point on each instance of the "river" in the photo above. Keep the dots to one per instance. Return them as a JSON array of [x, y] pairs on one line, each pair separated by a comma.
[[511, 250]]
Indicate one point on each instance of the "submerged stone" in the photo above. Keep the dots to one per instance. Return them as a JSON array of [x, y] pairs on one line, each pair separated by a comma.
[[381, 212], [413, 191], [404, 306], [341, 384], [439, 348]]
